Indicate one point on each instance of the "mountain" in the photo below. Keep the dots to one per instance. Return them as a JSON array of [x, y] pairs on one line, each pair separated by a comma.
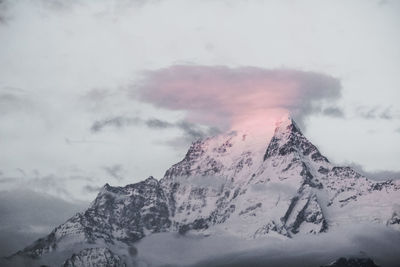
[[235, 184]]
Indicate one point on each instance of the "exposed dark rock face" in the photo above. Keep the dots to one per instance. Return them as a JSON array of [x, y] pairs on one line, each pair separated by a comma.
[[126, 213], [117, 214], [352, 262], [384, 186], [304, 210], [308, 178], [95, 257], [183, 168], [271, 227], [295, 142], [395, 219]]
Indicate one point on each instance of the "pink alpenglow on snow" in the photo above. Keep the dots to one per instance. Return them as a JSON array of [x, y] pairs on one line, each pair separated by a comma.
[[244, 98]]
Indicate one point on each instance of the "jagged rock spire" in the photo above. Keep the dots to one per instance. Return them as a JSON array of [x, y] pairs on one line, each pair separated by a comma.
[[288, 138]]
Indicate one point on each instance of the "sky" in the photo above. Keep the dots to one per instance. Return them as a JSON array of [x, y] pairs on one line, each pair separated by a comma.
[[107, 91]]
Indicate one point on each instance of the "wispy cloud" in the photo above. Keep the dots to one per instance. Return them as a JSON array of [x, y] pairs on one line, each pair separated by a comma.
[[14, 100], [57, 185], [91, 189], [115, 171], [117, 122], [27, 215], [156, 123], [191, 131], [333, 112], [375, 175], [377, 112]]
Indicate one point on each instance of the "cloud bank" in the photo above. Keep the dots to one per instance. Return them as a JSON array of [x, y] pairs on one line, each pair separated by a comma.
[[190, 131], [27, 215], [361, 240], [379, 175], [234, 98]]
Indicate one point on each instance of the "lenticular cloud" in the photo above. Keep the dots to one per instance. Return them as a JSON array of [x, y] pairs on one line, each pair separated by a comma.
[[231, 98]]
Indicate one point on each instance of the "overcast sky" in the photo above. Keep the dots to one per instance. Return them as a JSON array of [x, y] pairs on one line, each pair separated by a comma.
[[114, 91]]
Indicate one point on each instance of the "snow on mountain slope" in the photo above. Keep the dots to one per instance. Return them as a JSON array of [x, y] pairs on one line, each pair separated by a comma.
[[240, 184], [285, 188]]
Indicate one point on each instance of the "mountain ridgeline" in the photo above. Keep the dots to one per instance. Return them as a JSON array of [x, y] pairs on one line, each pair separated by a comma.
[[232, 184]]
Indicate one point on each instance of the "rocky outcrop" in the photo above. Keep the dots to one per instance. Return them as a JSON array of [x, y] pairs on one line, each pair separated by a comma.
[[305, 215], [352, 262], [94, 257]]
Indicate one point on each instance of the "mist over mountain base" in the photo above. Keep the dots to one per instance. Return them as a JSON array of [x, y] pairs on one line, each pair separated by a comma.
[[376, 242], [364, 240]]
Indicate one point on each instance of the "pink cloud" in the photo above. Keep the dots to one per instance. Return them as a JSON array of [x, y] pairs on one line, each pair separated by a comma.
[[234, 98]]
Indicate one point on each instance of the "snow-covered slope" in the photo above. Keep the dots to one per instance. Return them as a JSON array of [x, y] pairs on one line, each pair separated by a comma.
[[239, 184]]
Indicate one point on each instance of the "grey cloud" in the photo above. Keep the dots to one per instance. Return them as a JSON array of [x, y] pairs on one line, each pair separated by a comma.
[[51, 184], [27, 215], [397, 130], [117, 122], [60, 6], [83, 141], [194, 133], [123, 121], [383, 2], [375, 175], [115, 171], [156, 123], [81, 178], [14, 100], [99, 99], [386, 114], [57, 5], [316, 88], [91, 189], [21, 171], [191, 131], [220, 95], [357, 240], [3, 12], [367, 113], [7, 180], [36, 173], [377, 112], [97, 94], [333, 112]]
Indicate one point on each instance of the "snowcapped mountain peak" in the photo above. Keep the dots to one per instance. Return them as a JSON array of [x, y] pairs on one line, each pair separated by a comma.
[[261, 122], [285, 126], [229, 153], [284, 121], [288, 138]]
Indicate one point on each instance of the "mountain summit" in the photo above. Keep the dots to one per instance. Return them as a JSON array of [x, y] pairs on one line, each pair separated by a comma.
[[233, 184]]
